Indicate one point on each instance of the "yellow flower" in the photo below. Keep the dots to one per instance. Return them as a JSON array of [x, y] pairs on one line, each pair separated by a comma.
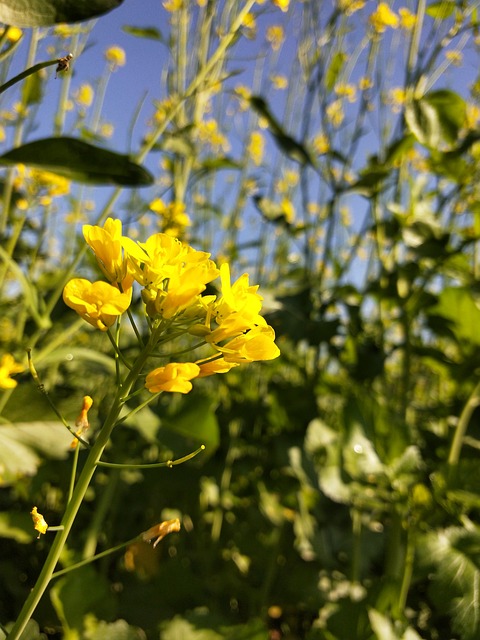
[[116, 57], [256, 344], [159, 531], [455, 57], [8, 367], [383, 17], [275, 34], [407, 19], [321, 144], [335, 113], [106, 244], [172, 5], [38, 522], [365, 83], [209, 367], [14, 34], [99, 303], [209, 133], [174, 376], [347, 91], [281, 4], [279, 82], [175, 219], [256, 147], [84, 95]]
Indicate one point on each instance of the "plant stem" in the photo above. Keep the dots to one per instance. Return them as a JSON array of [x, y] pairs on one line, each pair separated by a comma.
[[78, 495], [454, 456]]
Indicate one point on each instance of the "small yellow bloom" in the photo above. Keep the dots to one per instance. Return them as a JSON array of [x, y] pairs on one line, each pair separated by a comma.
[[335, 113], [256, 147], [350, 6], [172, 5], [407, 19], [81, 423], [174, 376], [14, 34], [209, 133], [159, 531], [281, 4], [365, 83], [455, 57], [9, 367], [383, 17], [84, 95], [38, 522], [116, 57], [210, 367], [275, 34], [98, 303], [348, 91], [279, 82], [321, 144]]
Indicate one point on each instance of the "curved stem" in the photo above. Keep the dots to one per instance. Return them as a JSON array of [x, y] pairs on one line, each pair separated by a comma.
[[454, 456]]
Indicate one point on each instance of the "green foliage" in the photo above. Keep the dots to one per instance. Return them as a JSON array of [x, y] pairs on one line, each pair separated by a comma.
[[41, 13]]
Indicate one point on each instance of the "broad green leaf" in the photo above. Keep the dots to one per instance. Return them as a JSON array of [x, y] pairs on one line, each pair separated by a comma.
[[180, 629], [457, 305], [144, 32], [80, 161], [79, 593], [43, 13], [17, 526], [436, 118], [197, 420], [24, 445]]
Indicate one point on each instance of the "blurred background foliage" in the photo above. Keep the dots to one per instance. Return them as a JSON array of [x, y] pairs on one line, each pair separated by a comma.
[[331, 150]]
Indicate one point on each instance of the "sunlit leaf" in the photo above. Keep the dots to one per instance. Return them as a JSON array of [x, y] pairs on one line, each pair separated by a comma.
[[441, 10], [437, 118], [334, 68], [43, 13], [80, 161]]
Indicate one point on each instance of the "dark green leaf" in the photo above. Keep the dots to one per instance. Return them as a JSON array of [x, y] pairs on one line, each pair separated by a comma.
[[78, 160], [144, 32], [43, 13], [197, 420]]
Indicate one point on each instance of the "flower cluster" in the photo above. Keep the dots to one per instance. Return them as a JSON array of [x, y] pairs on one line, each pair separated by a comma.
[[173, 278]]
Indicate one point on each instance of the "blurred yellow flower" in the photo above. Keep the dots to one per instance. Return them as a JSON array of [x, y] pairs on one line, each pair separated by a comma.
[[279, 82], [209, 133], [281, 4], [335, 113], [14, 34], [174, 376], [8, 367], [84, 95], [115, 56], [345, 90], [98, 303], [383, 17], [365, 83], [407, 19], [321, 144], [174, 217], [455, 57], [256, 147], [275, 34], [172, 5]]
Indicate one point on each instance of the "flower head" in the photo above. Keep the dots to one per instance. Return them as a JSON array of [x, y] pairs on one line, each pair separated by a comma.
[[116, 57], [159, 531], [383, 17], [99, 303], [174, 376], [256, 344], [9, 367]]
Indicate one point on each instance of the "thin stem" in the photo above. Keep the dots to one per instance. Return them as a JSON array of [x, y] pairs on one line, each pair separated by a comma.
[[464, 420], [153, 465]]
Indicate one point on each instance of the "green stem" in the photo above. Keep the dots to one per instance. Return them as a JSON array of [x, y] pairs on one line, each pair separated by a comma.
[[407, 576], [28, 72], [78, 496], [357, 542], [454, 456]]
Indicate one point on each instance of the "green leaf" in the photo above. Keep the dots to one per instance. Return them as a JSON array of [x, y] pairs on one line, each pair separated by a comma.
[[441, 10], [43, 13], [78, 160], [144, 32], [79, 593], [436, 118], [24, 445], [457, 305], [334, 69], [196, 419], [451, 557], [32, 91], [118, 630]]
